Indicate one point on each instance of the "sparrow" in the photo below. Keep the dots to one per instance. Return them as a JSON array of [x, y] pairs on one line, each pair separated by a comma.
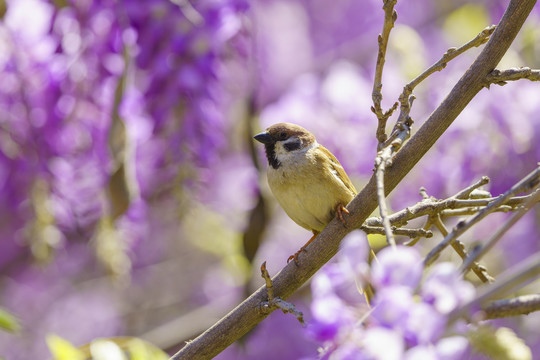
[[306, 178]]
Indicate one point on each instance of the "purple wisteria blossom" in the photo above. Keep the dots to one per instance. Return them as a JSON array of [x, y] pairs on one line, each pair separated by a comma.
[[403, 268], [155, 65], [86, 86], [408, 317], [445, 289]]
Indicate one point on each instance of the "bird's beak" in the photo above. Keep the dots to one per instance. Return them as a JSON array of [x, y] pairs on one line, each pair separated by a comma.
[[264, 138]]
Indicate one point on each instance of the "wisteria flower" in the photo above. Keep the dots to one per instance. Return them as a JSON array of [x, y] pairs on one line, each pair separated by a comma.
[[408, 318], [331, 318], [392, 306], [445, 289], [400, 266], [383, 344]]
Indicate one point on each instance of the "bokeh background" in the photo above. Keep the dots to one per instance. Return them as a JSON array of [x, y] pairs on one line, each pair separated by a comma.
[[133, 200]]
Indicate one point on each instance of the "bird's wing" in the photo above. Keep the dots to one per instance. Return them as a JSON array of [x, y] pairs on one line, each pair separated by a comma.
[[336, 166]]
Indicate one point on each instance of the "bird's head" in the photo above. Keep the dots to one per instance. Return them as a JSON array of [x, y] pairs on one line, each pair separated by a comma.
[[283, 140]]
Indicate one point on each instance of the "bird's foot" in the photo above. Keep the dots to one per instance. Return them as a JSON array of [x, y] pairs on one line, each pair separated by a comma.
[[339, 213], [295, 256], [303, 248]]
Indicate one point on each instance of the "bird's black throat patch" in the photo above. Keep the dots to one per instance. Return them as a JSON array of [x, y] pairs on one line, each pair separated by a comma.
[[271, 155]]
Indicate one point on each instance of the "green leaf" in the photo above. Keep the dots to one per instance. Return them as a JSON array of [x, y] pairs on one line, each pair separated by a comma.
[[118, 348], [8, 321], [142, 350], [114, 348], [62, 349], [499, 344]]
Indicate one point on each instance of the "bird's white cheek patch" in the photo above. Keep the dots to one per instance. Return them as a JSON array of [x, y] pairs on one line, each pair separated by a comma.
[[284, 155]]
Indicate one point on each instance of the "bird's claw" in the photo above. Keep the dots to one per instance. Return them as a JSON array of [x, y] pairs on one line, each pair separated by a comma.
[[303, 248], [295, 255], [339, 213]]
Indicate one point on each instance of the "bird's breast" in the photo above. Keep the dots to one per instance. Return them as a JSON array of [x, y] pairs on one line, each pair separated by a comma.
[[310, 200]]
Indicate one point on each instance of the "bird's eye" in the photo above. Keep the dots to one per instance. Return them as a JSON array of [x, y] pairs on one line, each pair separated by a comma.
[[283, 135]]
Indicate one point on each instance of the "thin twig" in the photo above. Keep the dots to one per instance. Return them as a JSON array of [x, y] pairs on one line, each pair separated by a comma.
[[500, 233], [426, 227], [473, 210], [269, 286], [465, 193], [450, 54], [458, 246], [412, 233], [521, 305], [500, 77], [266, 307], [506, 283], [428, 223], [463, 203], [526, 184], [406, 98], [384, 160], [423, 193], [390, 17], [472, 206], [379, 174], [445, 208]]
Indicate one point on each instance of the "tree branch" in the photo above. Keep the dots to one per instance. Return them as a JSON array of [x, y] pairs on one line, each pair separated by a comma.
[[526, 184], [459, 248], [390, 17], [432, 206], [384, 160], [406, 98], [412, 233], [500, 77], [246, 315], [274, 302], [450, 54], [472, 211], [506, 283], [470, 261], [521, 305], [465, 193]]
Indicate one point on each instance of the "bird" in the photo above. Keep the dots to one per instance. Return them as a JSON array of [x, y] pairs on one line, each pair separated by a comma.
[[307, 180]]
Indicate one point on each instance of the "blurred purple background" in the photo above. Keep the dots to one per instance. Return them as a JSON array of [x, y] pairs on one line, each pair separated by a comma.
[[128, 179]]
